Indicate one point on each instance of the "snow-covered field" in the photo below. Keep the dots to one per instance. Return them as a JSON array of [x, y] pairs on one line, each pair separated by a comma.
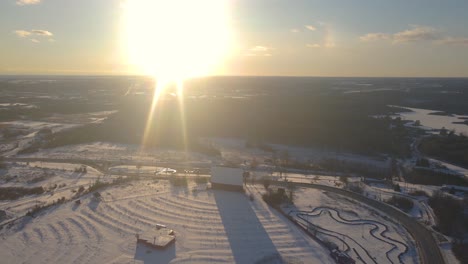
[[34, 126], [235, 150], [58, 179], [452, 168], [142, 169], [104, 151], [10, 106], [362, 232], [210, 226], [27, 133], [421, 210]]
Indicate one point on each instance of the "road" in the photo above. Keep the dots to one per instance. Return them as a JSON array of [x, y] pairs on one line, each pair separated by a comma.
[[102, 166], [429, 251]]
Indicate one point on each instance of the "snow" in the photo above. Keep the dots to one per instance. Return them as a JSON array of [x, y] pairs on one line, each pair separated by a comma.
[[435, 121], [210, 226], [105, 151], [224, 175], [28, 133], [452, 168], [142, 169], [7, 106], [36, 125], [235, 150], [446, 249], [421, 210], [58, 179], [349, 225]]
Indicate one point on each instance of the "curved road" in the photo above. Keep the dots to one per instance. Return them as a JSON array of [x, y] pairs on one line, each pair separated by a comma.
[[428, 248]]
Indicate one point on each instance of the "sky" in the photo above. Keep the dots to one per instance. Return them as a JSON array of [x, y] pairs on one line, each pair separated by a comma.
[[375, 38]]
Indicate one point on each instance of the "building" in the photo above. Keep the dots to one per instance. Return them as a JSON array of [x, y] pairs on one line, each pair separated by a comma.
[[159, 238], [227, 178]]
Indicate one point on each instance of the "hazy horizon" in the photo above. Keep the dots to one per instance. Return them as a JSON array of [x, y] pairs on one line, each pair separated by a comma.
[[242, 38]]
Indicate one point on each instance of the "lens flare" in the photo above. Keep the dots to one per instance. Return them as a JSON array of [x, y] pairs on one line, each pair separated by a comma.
[[173, 40]]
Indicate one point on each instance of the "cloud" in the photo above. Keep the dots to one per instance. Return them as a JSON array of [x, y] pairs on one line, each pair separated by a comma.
[[416, 33], [37, 32], [259, 51], [295, 30], [27, 2], [314, 45], [22, 33], [310, 27], [258, 54], [375, 36], [41, 32], [453, 41]]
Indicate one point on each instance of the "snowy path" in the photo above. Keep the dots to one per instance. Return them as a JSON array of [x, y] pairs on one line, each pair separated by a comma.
[[377, 231]]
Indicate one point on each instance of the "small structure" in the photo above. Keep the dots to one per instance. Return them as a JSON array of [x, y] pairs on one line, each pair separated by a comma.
[[227, 178], [160, 238]]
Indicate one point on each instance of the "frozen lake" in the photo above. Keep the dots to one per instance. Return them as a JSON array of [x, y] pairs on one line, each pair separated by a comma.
[[435, 121]]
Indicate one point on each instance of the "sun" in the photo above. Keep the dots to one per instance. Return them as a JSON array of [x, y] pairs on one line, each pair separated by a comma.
[[173, 40], [176, 39]]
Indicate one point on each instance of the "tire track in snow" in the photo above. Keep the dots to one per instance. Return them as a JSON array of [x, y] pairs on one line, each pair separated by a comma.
[[374, 232], [198, 202], [69, 243], [180, 215], [109, 222], [52, 256], [168, 218], [39, 234], [129, 217], [186, 206], [89, 239], [91, 227]]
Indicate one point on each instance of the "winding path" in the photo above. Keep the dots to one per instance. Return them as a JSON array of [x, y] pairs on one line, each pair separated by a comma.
[[428, 248], [374, 232]]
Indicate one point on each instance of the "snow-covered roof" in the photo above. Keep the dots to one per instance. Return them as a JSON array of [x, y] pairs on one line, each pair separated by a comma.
[[226, 175]]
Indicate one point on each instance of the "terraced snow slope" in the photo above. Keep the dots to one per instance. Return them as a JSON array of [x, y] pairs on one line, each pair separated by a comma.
[[210, 226]]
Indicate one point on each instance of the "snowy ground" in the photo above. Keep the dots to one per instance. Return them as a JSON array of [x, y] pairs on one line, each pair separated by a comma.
[[58, 179], [210, 226], [142, 169], [235, 150], [26, 134], [363, 233], [26, 131], [435, 121], [452, 168], [421, 210], [103, 151]]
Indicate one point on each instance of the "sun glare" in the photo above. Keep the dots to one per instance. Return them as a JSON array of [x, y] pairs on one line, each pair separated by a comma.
[[176, 39], [173, 40]]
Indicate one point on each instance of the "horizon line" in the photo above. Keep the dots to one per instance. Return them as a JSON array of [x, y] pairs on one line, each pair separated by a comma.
[[234, 76]]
